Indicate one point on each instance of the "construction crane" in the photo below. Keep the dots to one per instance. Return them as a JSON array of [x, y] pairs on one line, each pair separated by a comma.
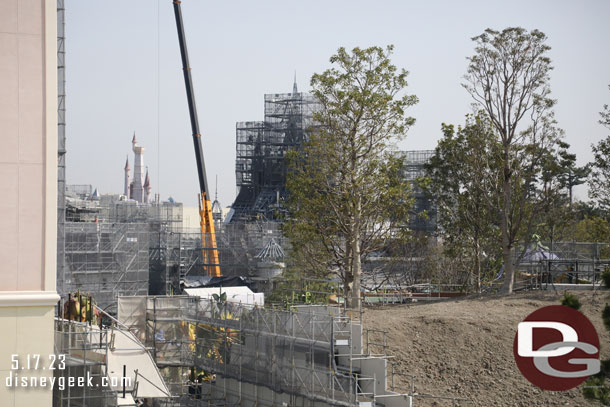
[[208, 235]]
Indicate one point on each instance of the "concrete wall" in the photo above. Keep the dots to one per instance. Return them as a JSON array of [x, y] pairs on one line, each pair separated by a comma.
[[28, 187]]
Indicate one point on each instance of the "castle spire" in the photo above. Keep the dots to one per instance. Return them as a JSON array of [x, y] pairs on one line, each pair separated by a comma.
[[147, 188], [147, 179], [127, 179]]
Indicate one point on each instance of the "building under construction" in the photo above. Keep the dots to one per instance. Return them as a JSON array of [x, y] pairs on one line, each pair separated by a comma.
[[232, 354], [423, 214], [116, 247], [261, 146], [112, 247]]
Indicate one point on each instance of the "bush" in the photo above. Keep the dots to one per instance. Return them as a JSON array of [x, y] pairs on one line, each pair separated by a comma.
[[570, 300], [594, 389], [606, 316], [606, 278]]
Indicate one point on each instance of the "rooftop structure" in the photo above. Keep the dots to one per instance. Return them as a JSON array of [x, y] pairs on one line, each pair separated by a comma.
[[261, 146]]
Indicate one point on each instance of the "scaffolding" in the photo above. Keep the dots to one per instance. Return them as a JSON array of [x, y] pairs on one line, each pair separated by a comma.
[[98, 365], [176, 255], [106, 259], [221, 353], [114, 247], [81, 351], [545, 264], [261, 146], [61, 138], [423, 213]]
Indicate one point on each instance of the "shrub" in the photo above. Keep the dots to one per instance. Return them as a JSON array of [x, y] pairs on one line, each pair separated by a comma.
[[606, 278], [596, 387], [570, 300], [606, 316]]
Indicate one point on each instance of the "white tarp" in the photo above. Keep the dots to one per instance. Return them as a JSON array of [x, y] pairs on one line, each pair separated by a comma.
[[129, 352], [132, 313], [241, 295]]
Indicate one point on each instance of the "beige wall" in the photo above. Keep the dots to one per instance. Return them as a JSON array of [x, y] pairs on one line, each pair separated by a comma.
[[28, 188], [28, 123]]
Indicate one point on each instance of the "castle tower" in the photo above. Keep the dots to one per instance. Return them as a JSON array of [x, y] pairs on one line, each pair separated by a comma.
[[127, 178], [138, 173], [147, 188], [217, 209]]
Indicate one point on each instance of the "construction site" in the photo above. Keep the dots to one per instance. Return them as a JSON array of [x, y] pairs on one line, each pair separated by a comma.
[[169, 306]]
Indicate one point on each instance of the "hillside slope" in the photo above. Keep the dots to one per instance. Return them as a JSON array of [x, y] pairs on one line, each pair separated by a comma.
[[464, 348]]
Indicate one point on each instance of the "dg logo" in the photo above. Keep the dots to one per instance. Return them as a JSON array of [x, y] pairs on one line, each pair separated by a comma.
[[556, 348]]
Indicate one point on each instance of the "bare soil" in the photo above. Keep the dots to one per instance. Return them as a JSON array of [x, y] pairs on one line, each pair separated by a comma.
[[464, 348]]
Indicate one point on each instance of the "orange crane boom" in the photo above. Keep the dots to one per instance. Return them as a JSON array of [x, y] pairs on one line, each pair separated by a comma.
[[211, 262]]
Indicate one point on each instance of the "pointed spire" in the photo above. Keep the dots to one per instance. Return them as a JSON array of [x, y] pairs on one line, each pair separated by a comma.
[[294, 85], [133, 140], [147, 180], [216, 208], [127, 163], [216, 193]]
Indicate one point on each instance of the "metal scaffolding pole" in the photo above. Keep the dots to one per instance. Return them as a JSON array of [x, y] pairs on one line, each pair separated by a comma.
[[61, 146]]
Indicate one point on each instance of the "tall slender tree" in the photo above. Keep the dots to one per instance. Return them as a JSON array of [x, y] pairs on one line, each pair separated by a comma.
[[464, 178], [599, 182], [346, 196], [508, 76]]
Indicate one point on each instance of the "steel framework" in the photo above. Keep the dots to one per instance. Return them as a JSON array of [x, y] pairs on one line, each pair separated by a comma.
[[220, 353], [107, 259], [61, 139], [423, 213], [261, 146]]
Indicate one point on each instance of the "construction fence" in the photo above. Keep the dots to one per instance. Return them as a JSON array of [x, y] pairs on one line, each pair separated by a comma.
[[223, 353]]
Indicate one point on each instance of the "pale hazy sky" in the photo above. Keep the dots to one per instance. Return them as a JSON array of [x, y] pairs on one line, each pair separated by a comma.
[[124, 73]]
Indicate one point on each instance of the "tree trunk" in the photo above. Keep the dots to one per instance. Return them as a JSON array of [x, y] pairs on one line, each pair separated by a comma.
[[509, 273], [349, 275], [477, 264], [356, 264]]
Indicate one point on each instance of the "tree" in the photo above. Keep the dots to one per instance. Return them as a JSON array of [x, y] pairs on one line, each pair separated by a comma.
[[508, 76], [599, 183], [559, 174], [465, 187], [346, 196]]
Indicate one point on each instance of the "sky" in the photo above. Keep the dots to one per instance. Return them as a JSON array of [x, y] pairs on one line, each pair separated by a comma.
[[124, 73]]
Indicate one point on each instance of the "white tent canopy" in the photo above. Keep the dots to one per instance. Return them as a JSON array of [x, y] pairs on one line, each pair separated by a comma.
[[234, 294]]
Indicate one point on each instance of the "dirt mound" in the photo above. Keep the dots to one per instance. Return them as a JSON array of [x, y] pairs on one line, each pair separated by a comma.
[[463, 348]]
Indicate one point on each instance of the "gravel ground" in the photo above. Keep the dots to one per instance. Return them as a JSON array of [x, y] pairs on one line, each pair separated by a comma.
[[463, 348]]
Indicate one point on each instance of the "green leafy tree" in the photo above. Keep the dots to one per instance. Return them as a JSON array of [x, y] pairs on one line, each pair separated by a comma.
[[570, 174], [599, 183], [508, 76], [346, 196], [559, 174], [465, 187], [592, 229]]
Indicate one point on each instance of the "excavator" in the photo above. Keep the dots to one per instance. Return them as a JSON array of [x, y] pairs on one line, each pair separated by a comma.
[[211, 263]]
